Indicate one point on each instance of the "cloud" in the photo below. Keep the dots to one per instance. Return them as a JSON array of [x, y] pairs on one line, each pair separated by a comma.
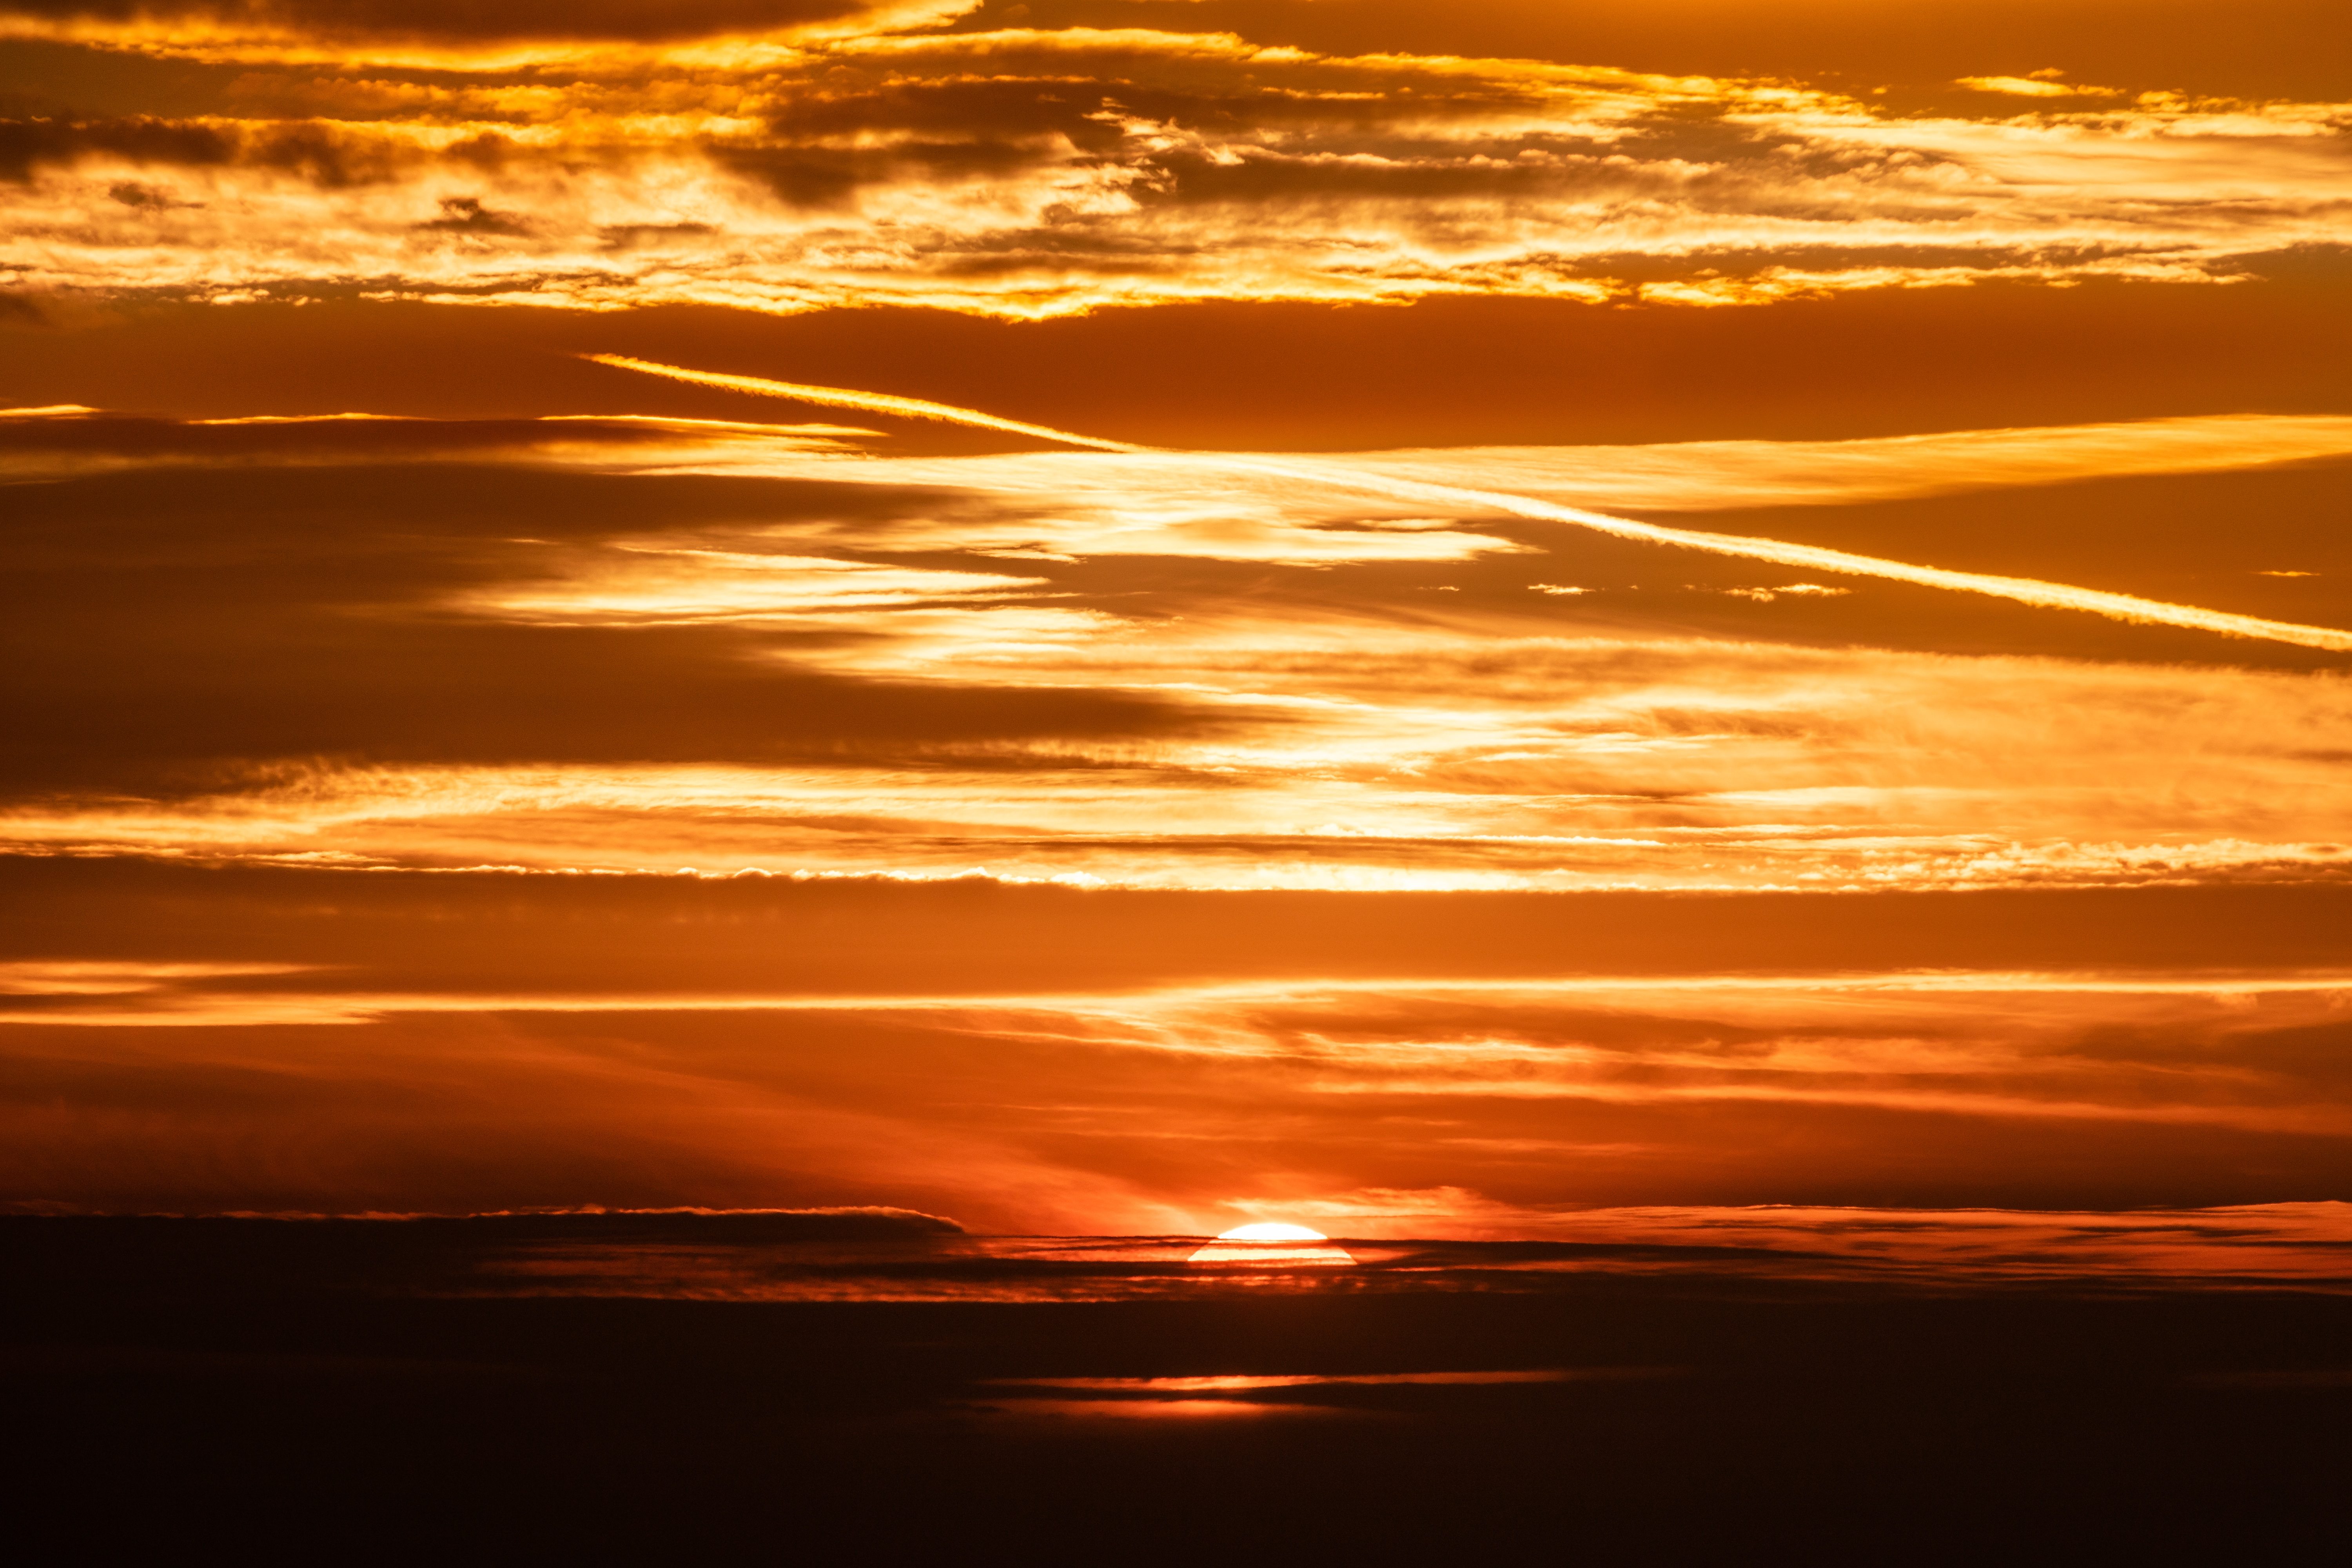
[[1026, 173], [656, 808], [1701, 475], [871, 402], [1385, 1107], [2052, 595], [1140, 670], [237, 29], [2040, 85], [50, 443], [2297, 1242], [1407, 1065]]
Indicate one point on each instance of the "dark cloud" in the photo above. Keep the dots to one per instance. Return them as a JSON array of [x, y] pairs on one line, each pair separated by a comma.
[[831, 177], [168, 622], [317, 151], [413, 1253], [47, 438], [957, 129], [962, 130], [27, 144], [155, 702], [1065, 106], [457, 20], [466, 215], [651, 236]]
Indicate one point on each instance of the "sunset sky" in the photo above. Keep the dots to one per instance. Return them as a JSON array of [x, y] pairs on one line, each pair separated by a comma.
[[1126, 617]]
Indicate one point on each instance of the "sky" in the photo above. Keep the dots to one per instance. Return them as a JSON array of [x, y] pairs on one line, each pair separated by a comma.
[[1109, 616]]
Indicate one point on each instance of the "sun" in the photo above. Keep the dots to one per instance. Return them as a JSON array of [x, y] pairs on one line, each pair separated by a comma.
[[1271, 1230], [1271, 1244]]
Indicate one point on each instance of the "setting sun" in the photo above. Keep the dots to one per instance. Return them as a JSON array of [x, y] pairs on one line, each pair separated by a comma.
[[1271, 1230], [1272, 1244]]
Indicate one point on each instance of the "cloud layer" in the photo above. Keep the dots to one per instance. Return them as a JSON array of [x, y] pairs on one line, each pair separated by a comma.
[[1669, 606], [658, 1041], [819, 161], [757, 648]]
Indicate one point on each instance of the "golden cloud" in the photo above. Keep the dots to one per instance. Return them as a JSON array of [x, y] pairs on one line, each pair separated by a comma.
[[1026, 173]]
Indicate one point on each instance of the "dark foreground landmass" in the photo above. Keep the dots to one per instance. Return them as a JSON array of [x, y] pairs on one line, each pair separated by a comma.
[[267, 1391]]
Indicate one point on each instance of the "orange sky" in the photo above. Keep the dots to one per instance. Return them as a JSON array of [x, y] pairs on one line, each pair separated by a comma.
[[1686, 604]]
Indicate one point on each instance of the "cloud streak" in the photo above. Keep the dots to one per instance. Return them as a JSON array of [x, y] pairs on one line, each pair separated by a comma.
[[870, 402], [748, 648], [1186, 1107], [2046, 595]]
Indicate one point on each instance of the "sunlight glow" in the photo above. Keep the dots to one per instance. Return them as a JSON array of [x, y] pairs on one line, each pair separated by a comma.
[[1271, 1244], [1271, 1231]]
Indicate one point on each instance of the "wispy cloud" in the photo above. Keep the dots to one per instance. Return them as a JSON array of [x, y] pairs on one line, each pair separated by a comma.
[[747, 648], [2048, 595], [1188, 1107]]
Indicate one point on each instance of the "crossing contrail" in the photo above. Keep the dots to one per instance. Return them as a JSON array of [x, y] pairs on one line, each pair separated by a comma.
[[2023, 590], [872, 402]]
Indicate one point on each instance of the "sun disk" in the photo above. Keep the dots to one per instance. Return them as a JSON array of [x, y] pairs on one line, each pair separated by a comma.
[[1271, 1230]]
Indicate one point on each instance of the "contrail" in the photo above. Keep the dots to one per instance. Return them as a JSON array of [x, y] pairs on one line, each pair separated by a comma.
[[2024, 590], [873, 402]]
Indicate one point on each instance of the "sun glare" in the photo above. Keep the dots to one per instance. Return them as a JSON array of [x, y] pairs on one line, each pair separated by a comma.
[[1271, 1231], [1270, 1243]]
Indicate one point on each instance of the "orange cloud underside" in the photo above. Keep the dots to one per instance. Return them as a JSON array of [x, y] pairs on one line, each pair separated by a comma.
[[1475, 625]]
